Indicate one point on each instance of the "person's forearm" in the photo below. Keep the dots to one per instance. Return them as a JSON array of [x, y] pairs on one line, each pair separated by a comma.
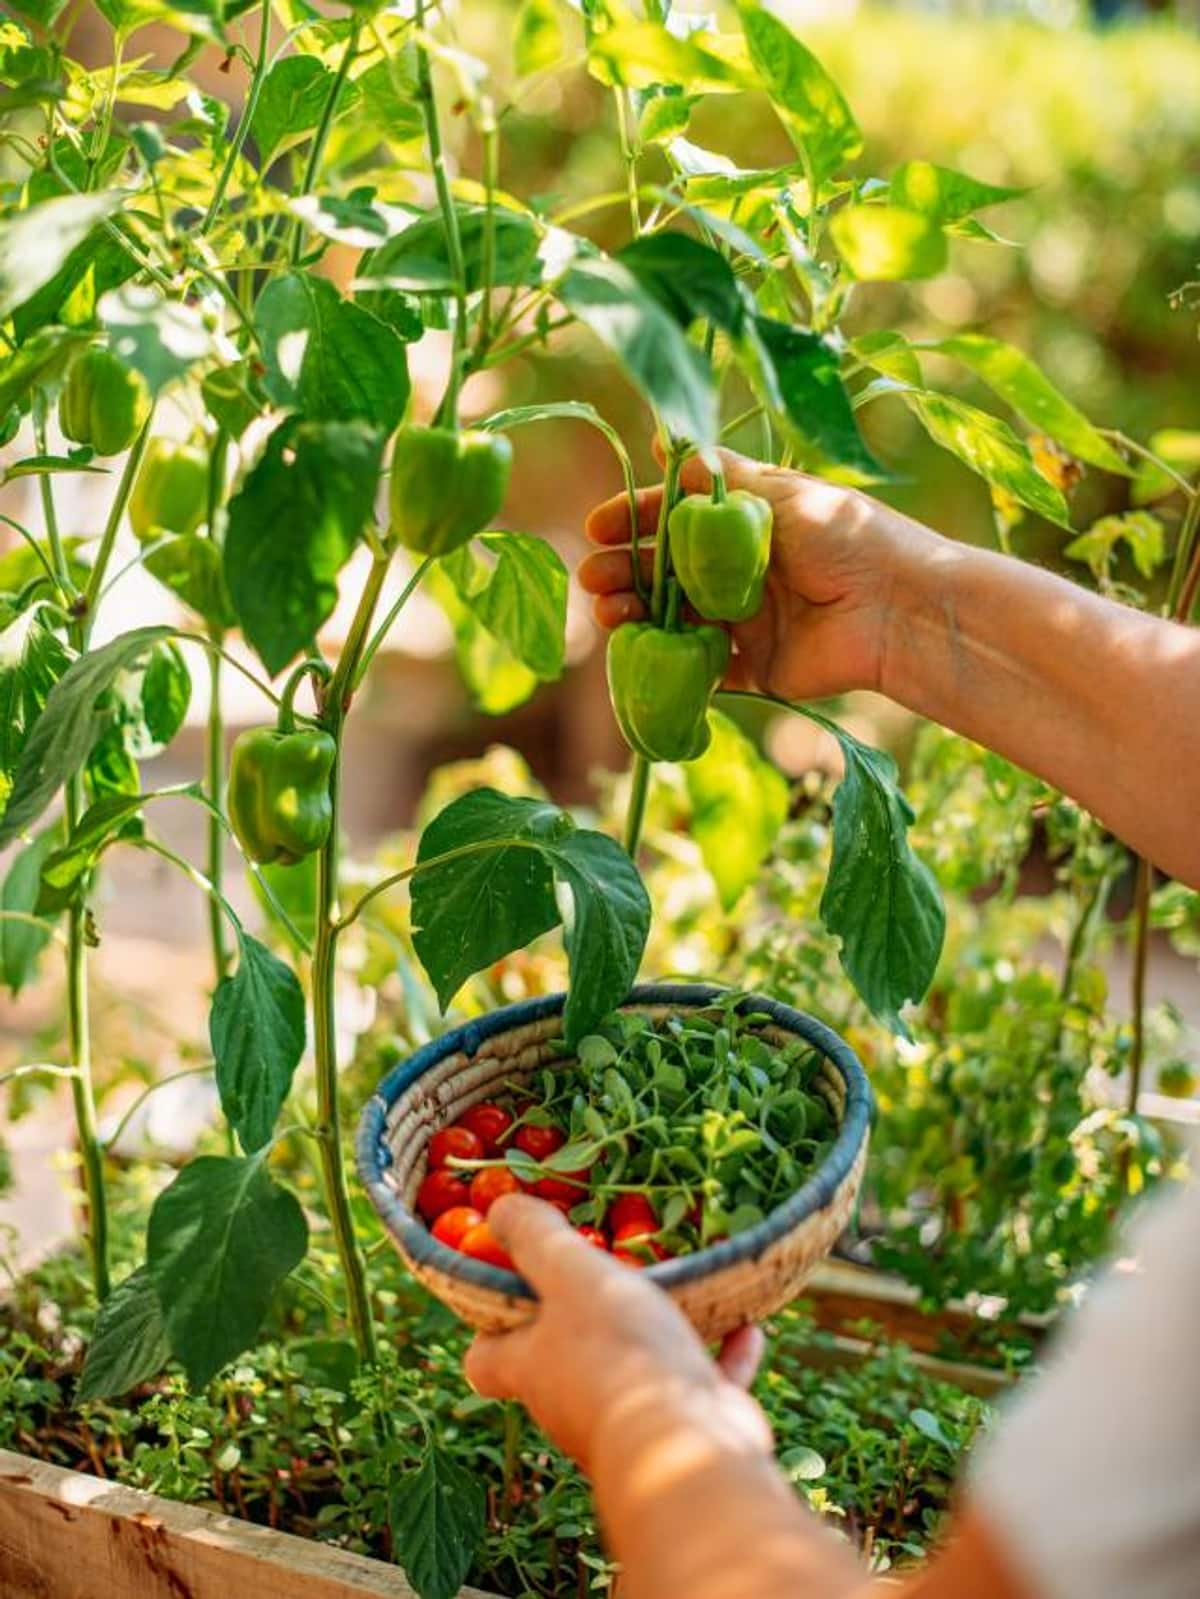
[[693, 1505], [1097, 698]]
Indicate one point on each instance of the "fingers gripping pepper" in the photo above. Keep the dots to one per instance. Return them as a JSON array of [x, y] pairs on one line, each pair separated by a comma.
[[720, 549], [103, 403], [171, 491], [661, 684], [280, 804], [446, 486]]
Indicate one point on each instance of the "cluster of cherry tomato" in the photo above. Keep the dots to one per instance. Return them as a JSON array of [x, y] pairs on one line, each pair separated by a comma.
[[455, 1198]]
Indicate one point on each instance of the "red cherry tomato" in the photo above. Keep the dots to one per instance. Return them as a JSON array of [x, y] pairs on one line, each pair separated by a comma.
[[488, 1185], [441, 1190], [632, 1208], [634, 1232], [567, 1187], [539, 1142], [452, 1226], [488, 1122], [481, 1244], [593, 1236], [460, 1142]]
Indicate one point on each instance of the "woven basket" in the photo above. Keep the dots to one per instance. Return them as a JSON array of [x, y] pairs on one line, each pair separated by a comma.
[[719, 1288]]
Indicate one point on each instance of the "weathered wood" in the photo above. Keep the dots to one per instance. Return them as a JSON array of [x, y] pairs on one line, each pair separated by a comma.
[[67, 1536]]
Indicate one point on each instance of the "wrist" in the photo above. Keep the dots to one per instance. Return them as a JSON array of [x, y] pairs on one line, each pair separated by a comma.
[[674, 1413], [919, 571]]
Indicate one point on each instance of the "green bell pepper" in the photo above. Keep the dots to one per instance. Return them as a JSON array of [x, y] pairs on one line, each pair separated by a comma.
[[104, 403], [170, 494], [446, 486], [661, 683], [720, 549], [279, 798]]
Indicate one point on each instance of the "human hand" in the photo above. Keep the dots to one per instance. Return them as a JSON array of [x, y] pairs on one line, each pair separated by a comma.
[[605, 1343], [837, 557]]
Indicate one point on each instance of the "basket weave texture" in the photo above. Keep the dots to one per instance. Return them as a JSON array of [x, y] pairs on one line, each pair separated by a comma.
[[719, 1288]]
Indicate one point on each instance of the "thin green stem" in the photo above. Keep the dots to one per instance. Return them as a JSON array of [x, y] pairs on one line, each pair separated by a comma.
[[114, 1137], [214, 784], [244, 121], [32, 542], [101, 135], [658, 598], [635, 813], [116, 511], [629, 158], [1185, 578], [447, 412], [490, 135], [393, 879], [1124, 442], [317, 154], [313, 666], [389, 621]]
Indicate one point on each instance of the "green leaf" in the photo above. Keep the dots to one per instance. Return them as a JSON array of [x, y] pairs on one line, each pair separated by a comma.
[[538, 37], [688, 279], [890, 353], [190, 567], [739, 802], [665, 115], [930, 1427], [880, 243], [527, 252], [150, 699], [656, 355], [437, 1514], [290, 104], [1175, 447], [256, 1028], [880, 898], [76, 712], [35, 243], [498, 896], [989, 447], [129, 1342], [317, 480], [519, 593], [495, 679], [163, 339], [943, 194], [1140, 532], [328, 358], [221, 1238], [389, 104], [33, 660], [1021, 383], [200, 17], [106, 818], [805, 374], [357, 218], [645, 55], [46, 12], [40, 362], [21, 943], [809, 102], [233, 397], [99, 263]]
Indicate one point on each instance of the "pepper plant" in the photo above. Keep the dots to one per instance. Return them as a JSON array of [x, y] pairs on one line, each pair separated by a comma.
[[171, 264]]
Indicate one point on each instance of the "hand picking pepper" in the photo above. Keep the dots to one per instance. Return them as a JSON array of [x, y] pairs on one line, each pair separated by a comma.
[[720, 549], [279, 798], [661, 684], [104, 403], [171, 491], [446, 486]]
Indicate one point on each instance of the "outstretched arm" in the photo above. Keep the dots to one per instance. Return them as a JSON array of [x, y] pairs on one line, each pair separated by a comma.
[[1098, 699]]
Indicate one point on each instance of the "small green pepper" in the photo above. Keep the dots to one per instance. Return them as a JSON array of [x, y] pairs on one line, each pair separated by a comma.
[[720, 549], [279, 798], [104, 403], [661, 684], [171, 491], [446, 486]]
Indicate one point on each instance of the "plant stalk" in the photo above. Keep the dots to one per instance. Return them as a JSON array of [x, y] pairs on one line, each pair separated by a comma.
[[244, 121], [447, 412], [214, 783], [317, 154], [635, 813]]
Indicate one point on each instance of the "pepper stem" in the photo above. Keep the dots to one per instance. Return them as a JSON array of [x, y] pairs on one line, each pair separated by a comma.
[[718, 487], [311, 666], [672, 619]]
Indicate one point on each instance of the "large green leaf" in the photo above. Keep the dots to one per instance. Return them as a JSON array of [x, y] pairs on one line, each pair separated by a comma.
[[42, 361], [942, 193], [113, 815], [495, 679], [221, 1239], [880, 898], [739, 802], [35, 243], [257, 1032], [805, 383], [526, 251], [76, 713], [811, 105], [644, 55], [655, 353], [517, 589], [129, 1343], [437, 1514], [990, 447], [290, 104], [163, 339], [21, 942], [292, 526], [328, 358], [498, 893], [99, 263], [190, 567], [1021, 383], [689, 279], [881, 243], [32, 659]]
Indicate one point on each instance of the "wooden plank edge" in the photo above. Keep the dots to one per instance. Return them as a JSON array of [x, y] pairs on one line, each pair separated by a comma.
[[64, 1535]]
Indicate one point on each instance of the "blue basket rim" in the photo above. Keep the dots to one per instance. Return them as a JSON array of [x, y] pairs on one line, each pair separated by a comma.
[[422, 1247]]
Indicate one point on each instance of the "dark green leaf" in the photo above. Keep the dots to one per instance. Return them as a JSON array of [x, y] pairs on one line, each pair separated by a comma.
[[518, 591], [881, 243], [436, 1514], [221, 1238], [163, 339], [36, 242], [607, 932], [129, 1343], [190, 566], [103, 820], [233, 397], [814, 403], [527, 252], [671, 373], [40, 362], [809, 102], [880, 899], [76, 712], [151, 698], [990, 447], [94, 266], [316, 480], [328, 358], [739, 802], [293, 97], [687, 278], [37, 660], [21, 943], [257, 1032], [943, 194]]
